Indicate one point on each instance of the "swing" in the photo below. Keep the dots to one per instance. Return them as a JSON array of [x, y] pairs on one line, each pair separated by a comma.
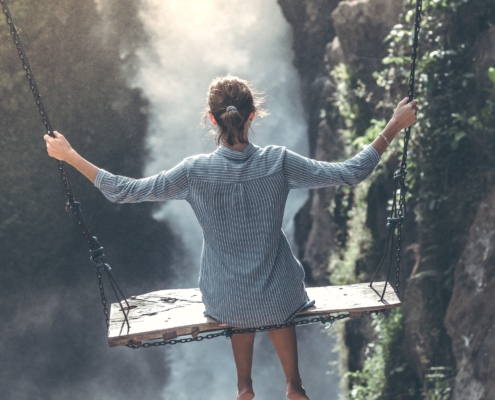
[[168, 314], [160, 318]]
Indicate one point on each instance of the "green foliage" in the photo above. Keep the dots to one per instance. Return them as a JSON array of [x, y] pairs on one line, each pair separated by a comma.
[[342, 264], [491, 74], [439, 383], [341, 97], [349, 99], [450, 157], [371, 383], [456, 116], [376, 127]]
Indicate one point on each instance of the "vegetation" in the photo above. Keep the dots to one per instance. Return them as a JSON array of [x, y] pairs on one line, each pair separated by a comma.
[[451, 154], [371, 382]]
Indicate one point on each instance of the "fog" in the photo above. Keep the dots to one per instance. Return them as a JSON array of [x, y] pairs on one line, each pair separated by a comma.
[[191, 42]]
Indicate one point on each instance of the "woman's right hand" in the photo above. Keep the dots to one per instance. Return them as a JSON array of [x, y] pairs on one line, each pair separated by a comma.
[[58, 147], [405, 114]]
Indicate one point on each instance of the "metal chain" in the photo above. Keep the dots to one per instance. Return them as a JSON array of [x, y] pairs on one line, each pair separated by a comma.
[[73, 206], [398, 212], [323, 319], [403, 166], [138, 345], [103, 298], [229, 331]]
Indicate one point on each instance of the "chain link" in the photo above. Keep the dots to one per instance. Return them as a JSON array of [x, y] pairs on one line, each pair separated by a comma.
[[103, 298], [145, 345]]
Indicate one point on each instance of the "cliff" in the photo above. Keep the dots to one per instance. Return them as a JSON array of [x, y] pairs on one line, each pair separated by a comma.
[[353, 58]]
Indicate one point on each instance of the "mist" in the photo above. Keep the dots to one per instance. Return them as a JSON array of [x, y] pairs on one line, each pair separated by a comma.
[[53, 335], [191, 42]]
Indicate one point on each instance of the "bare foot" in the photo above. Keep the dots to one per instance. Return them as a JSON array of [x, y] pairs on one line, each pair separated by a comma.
[[246, 394], [295, 391]]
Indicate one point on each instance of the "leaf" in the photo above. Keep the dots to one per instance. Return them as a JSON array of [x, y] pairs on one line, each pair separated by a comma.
[[491, 74], [459, 135]]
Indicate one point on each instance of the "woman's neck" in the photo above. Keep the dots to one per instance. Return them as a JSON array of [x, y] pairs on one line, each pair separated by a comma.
[[236, 146]]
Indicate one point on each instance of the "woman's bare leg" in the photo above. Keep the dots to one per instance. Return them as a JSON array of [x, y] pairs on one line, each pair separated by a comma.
[[242, 345], [285, 343]]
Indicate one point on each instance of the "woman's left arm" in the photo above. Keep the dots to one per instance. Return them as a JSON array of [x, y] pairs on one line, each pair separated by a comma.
[[167, 185]]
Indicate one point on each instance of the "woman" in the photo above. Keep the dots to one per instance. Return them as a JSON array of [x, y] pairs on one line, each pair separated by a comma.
[[249, 276]]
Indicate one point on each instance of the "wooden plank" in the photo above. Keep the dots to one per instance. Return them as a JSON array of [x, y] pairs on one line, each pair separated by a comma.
[[167, 314]]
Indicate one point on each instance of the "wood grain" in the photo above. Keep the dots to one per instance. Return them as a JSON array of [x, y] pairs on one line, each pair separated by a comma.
[[167, 314]]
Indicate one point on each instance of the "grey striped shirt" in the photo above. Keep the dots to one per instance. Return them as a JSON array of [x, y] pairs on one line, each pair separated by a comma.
[[248, 274]]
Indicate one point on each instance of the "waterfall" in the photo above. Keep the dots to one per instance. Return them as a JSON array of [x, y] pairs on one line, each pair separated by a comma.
[[191, 42]]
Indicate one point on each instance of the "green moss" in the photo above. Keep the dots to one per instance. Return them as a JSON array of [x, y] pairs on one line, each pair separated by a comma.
[[342, 264]]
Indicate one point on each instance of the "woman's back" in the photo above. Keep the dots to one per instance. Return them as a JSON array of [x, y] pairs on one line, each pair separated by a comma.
[[249, 276]]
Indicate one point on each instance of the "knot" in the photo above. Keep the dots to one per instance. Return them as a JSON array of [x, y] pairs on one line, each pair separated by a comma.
[[97, 257]]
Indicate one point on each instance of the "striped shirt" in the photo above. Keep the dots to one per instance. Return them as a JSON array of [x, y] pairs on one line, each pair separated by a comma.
[[249, 276]]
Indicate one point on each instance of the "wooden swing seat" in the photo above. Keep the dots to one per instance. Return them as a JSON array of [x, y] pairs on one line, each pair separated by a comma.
[[167, 314]]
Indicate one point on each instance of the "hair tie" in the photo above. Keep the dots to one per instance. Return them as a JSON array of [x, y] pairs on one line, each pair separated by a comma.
[[230, 108]]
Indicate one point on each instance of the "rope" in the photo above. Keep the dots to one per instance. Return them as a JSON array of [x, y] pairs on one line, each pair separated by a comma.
[[72, 206], [398, 213]]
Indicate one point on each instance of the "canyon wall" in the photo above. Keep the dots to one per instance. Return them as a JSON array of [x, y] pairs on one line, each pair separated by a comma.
[[353, 58]]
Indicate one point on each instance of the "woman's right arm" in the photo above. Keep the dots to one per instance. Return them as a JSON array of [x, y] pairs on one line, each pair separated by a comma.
[[305, 173]]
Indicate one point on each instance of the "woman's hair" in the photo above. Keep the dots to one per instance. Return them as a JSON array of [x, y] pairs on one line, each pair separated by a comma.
[[229, 92]]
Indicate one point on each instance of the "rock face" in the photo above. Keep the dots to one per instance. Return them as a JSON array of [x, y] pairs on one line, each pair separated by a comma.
[[470, 318], [485, 55], [313, 29], [361, 26]]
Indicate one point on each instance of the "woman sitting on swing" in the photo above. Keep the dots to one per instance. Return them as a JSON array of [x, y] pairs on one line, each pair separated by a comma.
[[249, 276]]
